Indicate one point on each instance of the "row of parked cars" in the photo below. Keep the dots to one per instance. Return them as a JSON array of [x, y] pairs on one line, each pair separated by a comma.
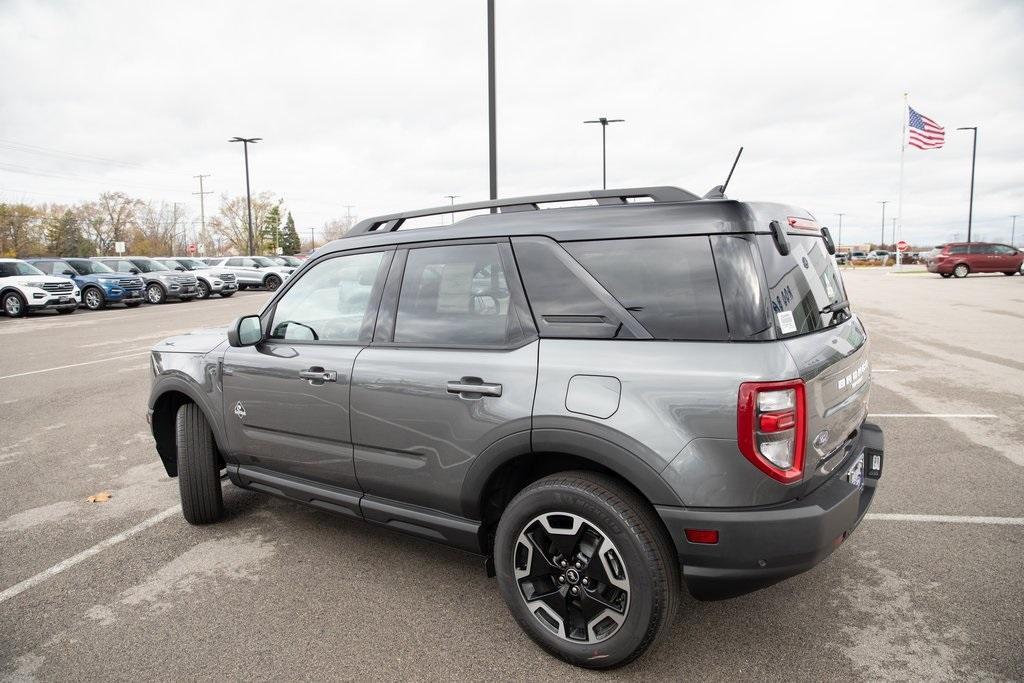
[[63, 284]]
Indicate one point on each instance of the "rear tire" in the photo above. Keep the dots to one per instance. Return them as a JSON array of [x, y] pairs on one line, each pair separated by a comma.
[[961, 270], [242, 288], [946, 275], [624, 556], [202, 501]]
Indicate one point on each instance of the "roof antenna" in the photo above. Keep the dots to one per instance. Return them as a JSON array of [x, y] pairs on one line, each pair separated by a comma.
[[718, 191]]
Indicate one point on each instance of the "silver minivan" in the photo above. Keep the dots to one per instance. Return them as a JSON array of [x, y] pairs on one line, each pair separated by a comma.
[[608, 395]]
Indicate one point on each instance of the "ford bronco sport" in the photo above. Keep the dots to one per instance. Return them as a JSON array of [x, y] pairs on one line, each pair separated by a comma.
[[606, 399]]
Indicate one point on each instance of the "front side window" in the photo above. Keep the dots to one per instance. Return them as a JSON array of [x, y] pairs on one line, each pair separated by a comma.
[[45, 266], [330, 302], [87, 267], [9, 268], [455, 296], [235, 262]]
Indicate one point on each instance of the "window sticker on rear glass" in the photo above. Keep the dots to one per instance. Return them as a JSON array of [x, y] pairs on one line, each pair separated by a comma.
[[786, 322]]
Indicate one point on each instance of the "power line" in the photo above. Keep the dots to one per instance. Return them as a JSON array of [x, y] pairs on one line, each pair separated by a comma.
[[46, 151], [25, 170]]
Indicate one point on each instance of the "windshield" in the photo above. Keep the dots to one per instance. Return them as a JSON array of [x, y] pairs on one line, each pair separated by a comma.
[[9, 268], [290, 261], [87, 267], [264, 261], [191, 263], [148, 265], [802, 285]]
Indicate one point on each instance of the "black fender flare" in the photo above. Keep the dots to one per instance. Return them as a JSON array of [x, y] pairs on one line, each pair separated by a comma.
[[172, 383], [615, 458]]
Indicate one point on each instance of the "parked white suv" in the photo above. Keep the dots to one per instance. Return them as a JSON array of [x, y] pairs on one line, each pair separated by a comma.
[[210, 280], [253, 271], [25, 288]]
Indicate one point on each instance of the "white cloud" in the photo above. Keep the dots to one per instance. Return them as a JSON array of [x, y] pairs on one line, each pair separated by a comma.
[[383, 105]]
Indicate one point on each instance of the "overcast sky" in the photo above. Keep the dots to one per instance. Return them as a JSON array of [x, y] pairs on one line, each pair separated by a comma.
[[383, 105]]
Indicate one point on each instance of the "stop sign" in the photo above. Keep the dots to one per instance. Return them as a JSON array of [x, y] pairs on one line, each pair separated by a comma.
[[192, 248], [902, 246]]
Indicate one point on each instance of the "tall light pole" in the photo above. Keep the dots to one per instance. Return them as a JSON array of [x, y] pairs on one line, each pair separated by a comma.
[[604, 147], [1013, 228], [840, 215], [248, 193], [492, 117], [452, 198], [202, 203], [883, 222], [974, 152]]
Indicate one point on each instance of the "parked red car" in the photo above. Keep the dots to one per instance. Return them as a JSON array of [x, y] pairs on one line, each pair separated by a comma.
[[957, 259]]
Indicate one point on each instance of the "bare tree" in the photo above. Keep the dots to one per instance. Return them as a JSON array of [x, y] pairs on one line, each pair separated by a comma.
[[231, 222], [337, 228], [157, 230], [110, 219]]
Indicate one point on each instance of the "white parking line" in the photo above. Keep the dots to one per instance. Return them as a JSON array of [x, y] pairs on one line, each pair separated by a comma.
[[74, 365], [883, 370], [980, 416], [85, 554], [948, 519]]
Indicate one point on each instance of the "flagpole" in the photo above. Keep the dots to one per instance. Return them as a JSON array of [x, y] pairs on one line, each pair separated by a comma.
[[899, 201]]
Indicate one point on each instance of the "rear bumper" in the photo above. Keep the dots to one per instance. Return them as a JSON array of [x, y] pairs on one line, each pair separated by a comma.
[[780, 541], [939, 267]]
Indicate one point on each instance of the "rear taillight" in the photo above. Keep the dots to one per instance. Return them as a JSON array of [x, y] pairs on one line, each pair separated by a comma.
[[770, 427]]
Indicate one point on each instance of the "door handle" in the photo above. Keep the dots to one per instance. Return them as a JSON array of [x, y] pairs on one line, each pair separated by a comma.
[[473, 385], [317, 375]]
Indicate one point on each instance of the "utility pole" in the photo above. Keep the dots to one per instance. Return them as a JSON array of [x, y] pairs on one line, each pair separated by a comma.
[[894, 233], [840, 215], [1013, 228], [974, 153], [604, 121], [883, 222], [248, 193], [202, 203], [452, 198], [312, 239], [492, 120]]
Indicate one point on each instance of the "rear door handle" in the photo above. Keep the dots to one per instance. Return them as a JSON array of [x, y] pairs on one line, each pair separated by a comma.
[[473, 387], [317, 375]]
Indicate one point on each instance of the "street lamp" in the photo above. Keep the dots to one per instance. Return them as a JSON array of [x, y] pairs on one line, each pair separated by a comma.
[[248, 193], [883, 223], [974, 152], [452, 198], [604, 166], [840, 228]]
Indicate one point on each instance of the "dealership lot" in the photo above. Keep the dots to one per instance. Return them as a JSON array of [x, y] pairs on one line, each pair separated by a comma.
[[125, 589]]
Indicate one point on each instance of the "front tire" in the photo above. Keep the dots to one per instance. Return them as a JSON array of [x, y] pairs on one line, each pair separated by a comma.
[[961, 271], [202, 501], [203, 290], [272, 282], [155, 294], [93, 298], [587, 569], [14, 305]]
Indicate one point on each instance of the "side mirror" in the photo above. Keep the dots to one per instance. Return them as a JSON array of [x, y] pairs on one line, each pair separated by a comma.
[[246, 331], [134, 271], [70, 273]]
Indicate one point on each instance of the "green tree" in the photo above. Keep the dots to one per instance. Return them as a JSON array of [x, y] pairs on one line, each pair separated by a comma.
[[64, 234], [270, 230], [291, 244]]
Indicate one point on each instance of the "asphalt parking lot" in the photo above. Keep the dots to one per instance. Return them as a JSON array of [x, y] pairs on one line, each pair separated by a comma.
[[930, 587]]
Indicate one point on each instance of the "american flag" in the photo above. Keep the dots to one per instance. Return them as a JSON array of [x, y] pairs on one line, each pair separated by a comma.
[[924, 133]]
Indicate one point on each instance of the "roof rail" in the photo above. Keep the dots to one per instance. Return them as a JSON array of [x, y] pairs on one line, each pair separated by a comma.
[[393, 221]]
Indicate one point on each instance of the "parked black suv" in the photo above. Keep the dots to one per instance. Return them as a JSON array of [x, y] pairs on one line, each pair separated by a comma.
[[600, 398]]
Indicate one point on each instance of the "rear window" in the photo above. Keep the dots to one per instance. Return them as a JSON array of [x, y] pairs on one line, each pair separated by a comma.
[[669, 284], [801, 284]]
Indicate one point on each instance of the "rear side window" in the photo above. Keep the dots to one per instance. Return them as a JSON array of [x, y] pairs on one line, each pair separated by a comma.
[[669, 284], [958, 249], [455, 296]]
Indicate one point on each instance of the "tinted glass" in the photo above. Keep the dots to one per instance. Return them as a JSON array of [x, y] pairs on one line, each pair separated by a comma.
[[149, 265], [563, 305], [454, 295], [235, 262], [8, 268], [669, 284], [742, 291], [801, 284], [330, 302], [983, 249], [958, 249], [87, 267], [263, 261], [1005, 250]]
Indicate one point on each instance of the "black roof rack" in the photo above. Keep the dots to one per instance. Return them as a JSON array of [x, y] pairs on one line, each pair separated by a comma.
[[393, 221]]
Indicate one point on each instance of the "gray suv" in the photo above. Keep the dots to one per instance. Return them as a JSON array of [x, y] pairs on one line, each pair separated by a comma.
[[162, 283], [607, 399]]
